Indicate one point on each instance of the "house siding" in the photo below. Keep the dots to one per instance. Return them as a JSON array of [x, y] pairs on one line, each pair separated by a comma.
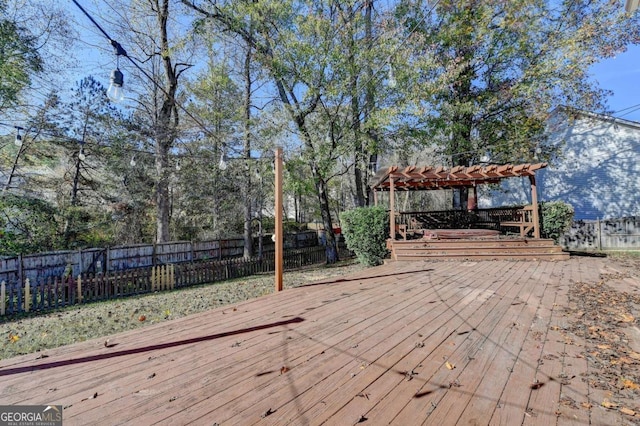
[[597, 170]]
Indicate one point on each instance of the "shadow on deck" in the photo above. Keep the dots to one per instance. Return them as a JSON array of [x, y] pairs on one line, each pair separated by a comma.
[[404, 343]]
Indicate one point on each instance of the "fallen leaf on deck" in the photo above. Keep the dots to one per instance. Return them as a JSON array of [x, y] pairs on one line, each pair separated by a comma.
[[267, 413], [626, 317], [284, 369], [603, 346], [608, 404], [362, 419], [628, 384], [536, 384], [450, 366], [627, 411], [586, 405]]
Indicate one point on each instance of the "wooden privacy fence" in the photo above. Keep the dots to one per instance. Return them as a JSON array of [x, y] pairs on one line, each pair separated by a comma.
[[39, 266], [607, 234], [57, 292]]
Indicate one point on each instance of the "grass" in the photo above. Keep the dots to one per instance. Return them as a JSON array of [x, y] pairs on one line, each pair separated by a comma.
[[30, 333]]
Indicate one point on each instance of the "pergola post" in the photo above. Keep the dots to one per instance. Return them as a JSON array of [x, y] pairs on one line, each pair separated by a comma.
[[534, 205], [472, 201], [392, 213]]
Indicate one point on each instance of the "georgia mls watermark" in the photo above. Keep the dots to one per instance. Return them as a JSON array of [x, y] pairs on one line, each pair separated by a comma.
[[30, 415]]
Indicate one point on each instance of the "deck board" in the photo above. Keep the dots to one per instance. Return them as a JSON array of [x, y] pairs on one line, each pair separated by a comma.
[[375, 347]]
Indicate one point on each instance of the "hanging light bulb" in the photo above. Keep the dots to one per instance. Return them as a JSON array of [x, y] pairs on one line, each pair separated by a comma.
[[81, 155], [223, 162], [392, 83], [133, 163], [18, 140], [115, 91]]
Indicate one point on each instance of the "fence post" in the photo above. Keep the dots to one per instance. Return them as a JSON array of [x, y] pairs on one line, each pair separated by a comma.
[[3, 295], [153, 278], [172, 276], [20, 269], [79, 288], [27, 295], [80, 262], [154, 254], [599, 234], [163, 277]]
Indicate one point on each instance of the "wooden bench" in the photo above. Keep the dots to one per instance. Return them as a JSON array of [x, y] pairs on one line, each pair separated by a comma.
[[414, 227], [524, 223]]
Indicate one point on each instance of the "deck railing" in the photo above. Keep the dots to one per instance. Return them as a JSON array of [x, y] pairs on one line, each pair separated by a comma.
[[457, 219], [57, 292]]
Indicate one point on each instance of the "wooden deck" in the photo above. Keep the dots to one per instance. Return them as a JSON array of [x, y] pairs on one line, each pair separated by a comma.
[[406, 343]]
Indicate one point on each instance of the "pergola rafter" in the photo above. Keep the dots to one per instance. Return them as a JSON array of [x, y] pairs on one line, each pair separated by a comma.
[[414, 178]]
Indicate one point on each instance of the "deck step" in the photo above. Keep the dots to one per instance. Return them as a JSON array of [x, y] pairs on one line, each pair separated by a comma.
[[459, 249]]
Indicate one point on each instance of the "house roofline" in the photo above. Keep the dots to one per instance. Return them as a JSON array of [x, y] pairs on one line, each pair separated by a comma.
[[597, 116]]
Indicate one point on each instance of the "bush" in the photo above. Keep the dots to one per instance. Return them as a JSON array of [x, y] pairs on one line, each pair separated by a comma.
[[365, 231], [557, 217]]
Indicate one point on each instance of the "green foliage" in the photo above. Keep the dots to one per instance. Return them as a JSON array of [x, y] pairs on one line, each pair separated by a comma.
[[19, 58], [27, 226], [365, 230], [490, 71], [557, 217]]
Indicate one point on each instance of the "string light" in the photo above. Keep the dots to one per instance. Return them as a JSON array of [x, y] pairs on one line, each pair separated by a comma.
[[18, 139], [223, 162]]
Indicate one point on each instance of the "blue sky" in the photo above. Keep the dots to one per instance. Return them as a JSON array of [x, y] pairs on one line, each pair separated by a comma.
[[622, 76]]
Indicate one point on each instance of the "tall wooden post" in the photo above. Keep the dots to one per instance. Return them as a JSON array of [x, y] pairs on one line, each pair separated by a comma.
[[472, 201], [392, 213], [534, 204], [278, 219]]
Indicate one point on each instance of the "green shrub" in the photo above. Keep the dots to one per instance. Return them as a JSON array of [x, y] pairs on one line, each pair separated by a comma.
[[557, 217], [365, 231]]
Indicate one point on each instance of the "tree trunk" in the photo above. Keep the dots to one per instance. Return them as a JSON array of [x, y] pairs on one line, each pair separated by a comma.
[[167, 121], [325, 209], [372, 135]]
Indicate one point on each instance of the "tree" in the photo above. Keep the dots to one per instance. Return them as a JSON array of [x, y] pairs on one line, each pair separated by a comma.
[[84, 123], [27, 225], [296, 44], [492, 70], [153, 33], [19, 58]]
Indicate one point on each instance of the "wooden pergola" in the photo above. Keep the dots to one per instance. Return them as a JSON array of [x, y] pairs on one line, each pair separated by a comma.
[[415, 178]]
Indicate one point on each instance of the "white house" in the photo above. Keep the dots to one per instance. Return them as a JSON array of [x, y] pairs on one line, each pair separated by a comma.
[[597, 170]]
